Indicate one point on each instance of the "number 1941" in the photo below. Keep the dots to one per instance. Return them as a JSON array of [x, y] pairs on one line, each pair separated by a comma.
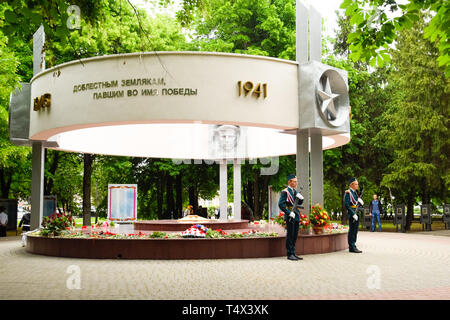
[[248, 87]]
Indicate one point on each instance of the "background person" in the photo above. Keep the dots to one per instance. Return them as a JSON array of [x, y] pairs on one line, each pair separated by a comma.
[[3, 221], [375, 210], [25, 224]]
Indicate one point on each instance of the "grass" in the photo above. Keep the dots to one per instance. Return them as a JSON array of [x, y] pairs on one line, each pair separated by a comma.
[[388, 226]]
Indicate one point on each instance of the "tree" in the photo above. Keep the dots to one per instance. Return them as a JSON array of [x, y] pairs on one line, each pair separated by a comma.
[[12, 159], [252, 27], [105, 27], [375, 30], [363, 157], [416, 125]]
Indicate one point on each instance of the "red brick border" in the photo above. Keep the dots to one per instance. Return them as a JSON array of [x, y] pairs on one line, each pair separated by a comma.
[[263, 247]]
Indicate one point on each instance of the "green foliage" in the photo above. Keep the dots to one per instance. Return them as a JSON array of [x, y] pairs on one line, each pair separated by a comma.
[[13, 160], [256, 27], [157, 234], [416, 125], [375, 30]]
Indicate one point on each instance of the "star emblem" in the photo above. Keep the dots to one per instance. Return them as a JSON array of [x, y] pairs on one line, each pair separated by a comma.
[[327, 97]]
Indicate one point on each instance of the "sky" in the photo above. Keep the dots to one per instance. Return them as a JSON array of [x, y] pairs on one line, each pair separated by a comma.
[[326, 8]]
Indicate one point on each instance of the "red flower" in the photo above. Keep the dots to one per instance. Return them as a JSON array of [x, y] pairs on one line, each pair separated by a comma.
[[83, 227]]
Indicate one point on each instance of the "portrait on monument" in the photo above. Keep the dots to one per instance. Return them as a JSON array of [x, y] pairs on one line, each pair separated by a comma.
[[226, 142]]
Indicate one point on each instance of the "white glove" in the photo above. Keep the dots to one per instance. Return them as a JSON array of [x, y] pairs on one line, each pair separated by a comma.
[[355, 217], [299, 196], [292, 215], [361, 201]]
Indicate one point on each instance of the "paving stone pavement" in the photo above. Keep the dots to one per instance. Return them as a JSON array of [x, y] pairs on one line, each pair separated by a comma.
[[392, 266]]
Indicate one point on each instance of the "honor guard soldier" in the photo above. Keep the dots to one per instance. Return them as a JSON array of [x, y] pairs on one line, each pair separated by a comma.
[[351, 200], [291, 215]]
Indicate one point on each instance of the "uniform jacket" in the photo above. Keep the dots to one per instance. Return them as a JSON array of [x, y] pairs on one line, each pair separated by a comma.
[[25, 220], [286, 202], [351, 200]]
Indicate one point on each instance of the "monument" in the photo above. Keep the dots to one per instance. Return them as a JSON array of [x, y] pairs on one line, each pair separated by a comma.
[[257, 107]]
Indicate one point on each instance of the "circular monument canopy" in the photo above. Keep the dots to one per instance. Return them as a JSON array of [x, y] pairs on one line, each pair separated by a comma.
[[193, 105]]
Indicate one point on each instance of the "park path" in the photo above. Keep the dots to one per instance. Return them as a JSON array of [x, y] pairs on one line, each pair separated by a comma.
[[392, 266]]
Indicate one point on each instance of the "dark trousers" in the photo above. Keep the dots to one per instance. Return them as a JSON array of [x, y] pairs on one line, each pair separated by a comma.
[[352, 232], [2, 231], [291, 236]]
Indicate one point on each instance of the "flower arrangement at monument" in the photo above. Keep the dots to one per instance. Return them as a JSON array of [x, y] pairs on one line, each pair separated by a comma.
[[318, 216], [196, 231], [258, 223], [280, 219], [305, 223], [336, 228], [57, 223]]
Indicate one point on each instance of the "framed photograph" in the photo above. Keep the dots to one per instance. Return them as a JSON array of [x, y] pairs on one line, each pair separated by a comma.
[[49, 206], [122, 202]]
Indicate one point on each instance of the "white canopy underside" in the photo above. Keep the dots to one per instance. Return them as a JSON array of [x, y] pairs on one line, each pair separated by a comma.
[[183, 141]]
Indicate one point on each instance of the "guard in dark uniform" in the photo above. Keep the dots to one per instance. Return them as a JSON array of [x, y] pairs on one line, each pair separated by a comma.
[[351, 200], [25, 221], [292, 218]]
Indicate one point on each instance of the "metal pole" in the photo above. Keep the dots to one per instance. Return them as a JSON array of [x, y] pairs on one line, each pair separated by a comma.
[[38, 155], [237, 189], [223, 190], [37, 184], [302, 166], [316, 168]]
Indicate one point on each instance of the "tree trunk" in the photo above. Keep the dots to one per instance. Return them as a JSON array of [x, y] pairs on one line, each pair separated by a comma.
[[160, 196], [88, 159], [256, 196], [48, 186], [410, 209], [169, 197], [264, 193], [179, 198], [344, 217], [250, 196], [5, 184], [244, 192], [193, 198]]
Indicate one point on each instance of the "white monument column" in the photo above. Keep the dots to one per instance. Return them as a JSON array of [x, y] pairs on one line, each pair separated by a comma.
[[302, 156], [309, 48], [315, 22], [38, 150], [237, 189], [37, 184], [316, 168], [302, 167], [223, 190]]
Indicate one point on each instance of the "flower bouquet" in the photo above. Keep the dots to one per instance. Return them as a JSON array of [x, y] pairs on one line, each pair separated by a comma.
[[319, 218], [280, 220], [196, 231], [56, 223], [305, 224]]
